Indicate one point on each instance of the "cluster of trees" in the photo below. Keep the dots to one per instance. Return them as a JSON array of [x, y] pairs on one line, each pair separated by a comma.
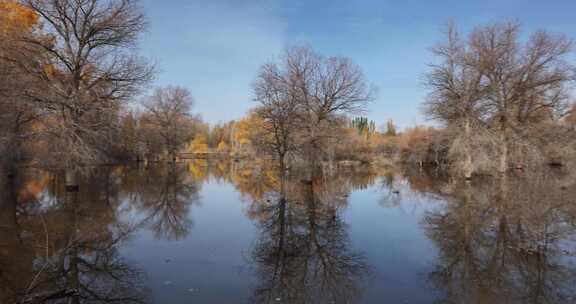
[[504, 102], [364, 127], [165, 128], [68, 70], [69, 73], [162, 129], [303, 98], [521, 223], [354, 141]]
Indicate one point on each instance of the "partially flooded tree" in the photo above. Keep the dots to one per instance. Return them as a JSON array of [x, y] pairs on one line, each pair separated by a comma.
[[457, 90], [89, 71], [169, 111], [311, 92], [526, 81], [278, 111], [326, 88], [502, 89]]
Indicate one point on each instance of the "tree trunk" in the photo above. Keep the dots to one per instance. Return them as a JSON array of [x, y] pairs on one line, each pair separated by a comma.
[[282, 162], [468, 168], [8, 215], [503, 157], [71, 180]]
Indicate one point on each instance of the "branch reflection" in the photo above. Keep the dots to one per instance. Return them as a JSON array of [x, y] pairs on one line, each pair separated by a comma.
[[303, 253], [509, 239], [164, 194], [63, 247]]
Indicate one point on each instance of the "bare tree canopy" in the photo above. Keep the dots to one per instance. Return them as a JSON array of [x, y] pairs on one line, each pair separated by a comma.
[[88, 72], [169, 112], [17, 115], [303, 92], [499, 90]]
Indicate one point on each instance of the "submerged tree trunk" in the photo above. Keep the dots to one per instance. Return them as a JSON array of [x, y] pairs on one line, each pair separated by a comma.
[[8, 216], [503, 163], [282, 163], [73, 271], [71, 180], [468, 168], [503, 157]]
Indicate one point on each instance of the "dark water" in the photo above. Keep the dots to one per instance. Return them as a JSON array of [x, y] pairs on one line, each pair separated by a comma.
[[219, 232]]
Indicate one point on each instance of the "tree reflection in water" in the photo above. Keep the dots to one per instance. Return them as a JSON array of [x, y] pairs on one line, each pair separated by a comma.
[[303, 253], [506, 240], [164, 194], [509, 240], [63, 247]]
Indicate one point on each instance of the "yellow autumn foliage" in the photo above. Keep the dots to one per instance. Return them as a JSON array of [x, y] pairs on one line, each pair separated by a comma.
[[246, 128], [198, 169], [223, 147], [15, 16], [198, 145]]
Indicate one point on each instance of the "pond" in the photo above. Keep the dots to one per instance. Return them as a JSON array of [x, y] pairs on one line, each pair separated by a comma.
[[234, 232]]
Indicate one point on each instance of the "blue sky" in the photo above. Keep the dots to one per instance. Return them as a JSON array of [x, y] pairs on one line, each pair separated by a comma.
[[215, 47]]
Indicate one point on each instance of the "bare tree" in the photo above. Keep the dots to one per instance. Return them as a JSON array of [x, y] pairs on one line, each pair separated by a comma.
[[89, 71], [169, 110], [457, 91], [312, 92], [18, 114], [506, 91], [279, 111], [527, 81], [326, 88]]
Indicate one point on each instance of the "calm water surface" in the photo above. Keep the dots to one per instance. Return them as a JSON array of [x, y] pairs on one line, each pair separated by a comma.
[[221, 232]]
